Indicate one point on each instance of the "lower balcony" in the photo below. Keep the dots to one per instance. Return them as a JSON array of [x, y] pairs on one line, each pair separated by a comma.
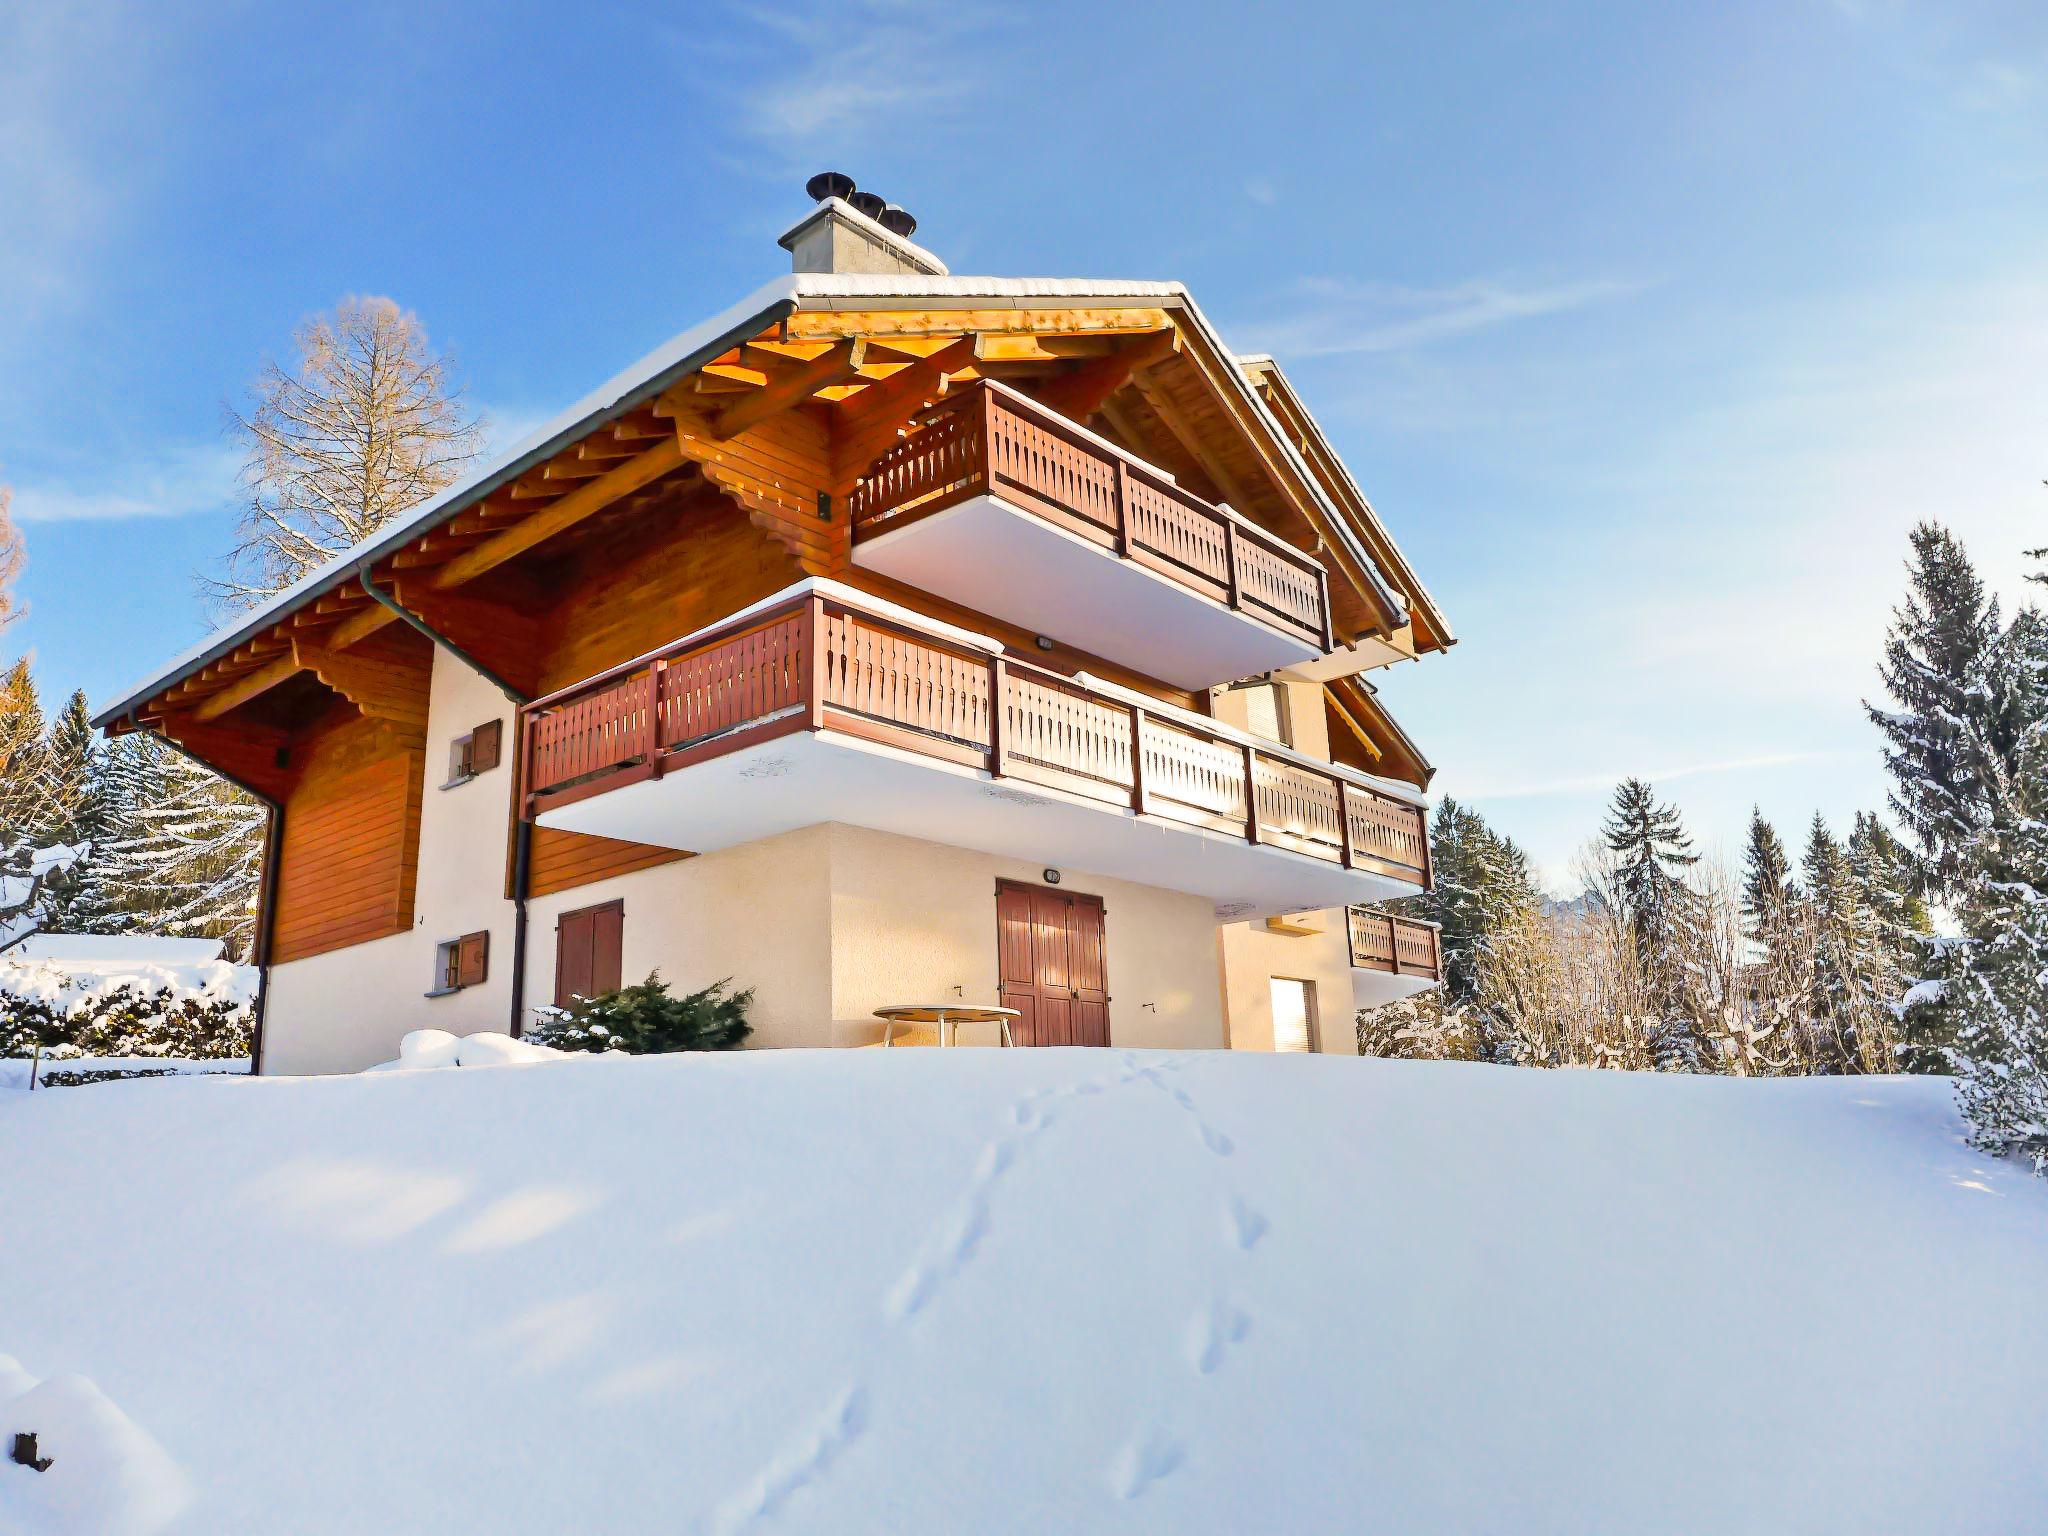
[[1010, 509], [1392, 957], [824, 707]]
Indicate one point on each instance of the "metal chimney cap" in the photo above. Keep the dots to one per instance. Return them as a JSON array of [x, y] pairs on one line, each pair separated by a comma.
[[829, 184], [897, 221], [867, 203]]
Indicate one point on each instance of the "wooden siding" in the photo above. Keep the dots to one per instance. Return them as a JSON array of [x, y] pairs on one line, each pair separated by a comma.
[[561, 861], [625, 597], [349, 858]]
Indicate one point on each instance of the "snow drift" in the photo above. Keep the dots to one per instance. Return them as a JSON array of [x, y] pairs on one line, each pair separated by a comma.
[[1039, 1290]]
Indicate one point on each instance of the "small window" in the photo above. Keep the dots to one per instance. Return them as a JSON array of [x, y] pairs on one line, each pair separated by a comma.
[[459, 963], [1294, 1014], [1265, 711], [478, 752], [588, 945]]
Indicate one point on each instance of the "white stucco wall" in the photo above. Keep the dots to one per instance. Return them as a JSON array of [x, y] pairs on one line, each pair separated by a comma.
[[1253, 955], [756, 913], [912, 921]]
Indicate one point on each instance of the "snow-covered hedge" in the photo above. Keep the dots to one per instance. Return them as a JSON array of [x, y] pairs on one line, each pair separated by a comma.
[[190, 1012]]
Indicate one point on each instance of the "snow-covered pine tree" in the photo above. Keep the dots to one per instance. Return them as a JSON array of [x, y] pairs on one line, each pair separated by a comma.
[[1483, 883], [1948, 720], [187, 849], [78, 813], [1995, 982], [1652, 853], [1774, 1002]]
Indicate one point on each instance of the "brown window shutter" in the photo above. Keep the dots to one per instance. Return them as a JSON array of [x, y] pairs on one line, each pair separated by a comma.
[[473, 962], [572, 957], [486, 746], [608, 933]]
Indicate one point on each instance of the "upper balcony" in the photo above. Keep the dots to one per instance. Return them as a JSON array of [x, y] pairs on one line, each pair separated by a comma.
[[1392, 957], [1010, 509], [821, 706]]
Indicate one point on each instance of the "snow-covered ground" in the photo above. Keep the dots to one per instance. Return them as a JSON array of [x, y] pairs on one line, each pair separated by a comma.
[[926, 1291]]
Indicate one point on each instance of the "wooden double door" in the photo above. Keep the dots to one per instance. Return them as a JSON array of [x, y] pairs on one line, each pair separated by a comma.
[[1052, 964]]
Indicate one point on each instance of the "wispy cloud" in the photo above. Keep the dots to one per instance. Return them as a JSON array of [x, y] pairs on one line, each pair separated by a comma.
[[828, 77], [1333, 317], [174, 482], [1584, 783]]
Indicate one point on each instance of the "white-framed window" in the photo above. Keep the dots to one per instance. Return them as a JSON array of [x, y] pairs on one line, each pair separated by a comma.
[[1294, 1014]]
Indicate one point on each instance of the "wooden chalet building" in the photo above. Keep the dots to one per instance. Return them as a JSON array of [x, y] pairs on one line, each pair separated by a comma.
[[891, 636]]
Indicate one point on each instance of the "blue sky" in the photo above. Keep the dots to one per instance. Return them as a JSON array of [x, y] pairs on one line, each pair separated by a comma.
[[1649, 329]]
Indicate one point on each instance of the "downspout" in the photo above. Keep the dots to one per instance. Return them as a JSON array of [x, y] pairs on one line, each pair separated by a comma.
[[266, 888], [522, 836]]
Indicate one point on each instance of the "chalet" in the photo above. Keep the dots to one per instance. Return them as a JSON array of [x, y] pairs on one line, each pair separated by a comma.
[[889, 636]]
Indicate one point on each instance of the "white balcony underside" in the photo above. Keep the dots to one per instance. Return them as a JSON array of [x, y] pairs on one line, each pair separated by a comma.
[[998, 559], [802, 779], [1369, 988]]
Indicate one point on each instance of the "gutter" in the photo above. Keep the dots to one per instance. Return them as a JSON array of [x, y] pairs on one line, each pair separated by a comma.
[[522, 836]]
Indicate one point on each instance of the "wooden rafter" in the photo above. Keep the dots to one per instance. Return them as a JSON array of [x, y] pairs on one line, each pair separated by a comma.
[[790, 384]]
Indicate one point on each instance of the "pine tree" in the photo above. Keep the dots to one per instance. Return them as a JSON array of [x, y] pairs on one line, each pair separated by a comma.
[[24, 757], [1483, 884], [1948, 721], [1658, 910], [1995, 982], [185, 855]]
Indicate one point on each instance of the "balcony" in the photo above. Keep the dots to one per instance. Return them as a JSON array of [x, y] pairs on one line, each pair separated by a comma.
[[1392, 957], [1010, 509], [821, 706]]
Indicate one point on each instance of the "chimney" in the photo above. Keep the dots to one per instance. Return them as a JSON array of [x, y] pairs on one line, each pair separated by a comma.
[[854, 231]]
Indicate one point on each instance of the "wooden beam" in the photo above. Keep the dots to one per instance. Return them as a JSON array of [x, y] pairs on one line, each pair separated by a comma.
[[381, 681], [589, 497], [1081, 394], [790, 385], [868, 422], [1194, 442]]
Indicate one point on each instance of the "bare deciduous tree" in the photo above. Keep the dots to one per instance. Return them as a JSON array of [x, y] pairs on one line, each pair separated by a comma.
[[13, 556], [368, 424]]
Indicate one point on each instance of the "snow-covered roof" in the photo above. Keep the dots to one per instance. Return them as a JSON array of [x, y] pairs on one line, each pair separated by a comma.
[[682, 354]]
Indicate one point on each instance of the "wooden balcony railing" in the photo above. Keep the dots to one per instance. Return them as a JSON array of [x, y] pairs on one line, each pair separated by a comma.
[[1381, 941], [992, 439], [820, 664]]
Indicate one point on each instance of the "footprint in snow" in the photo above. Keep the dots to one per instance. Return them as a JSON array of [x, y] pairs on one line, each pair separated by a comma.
[[799, 1464], [1244, 1224], [1153, 1454], [1210, 1335]]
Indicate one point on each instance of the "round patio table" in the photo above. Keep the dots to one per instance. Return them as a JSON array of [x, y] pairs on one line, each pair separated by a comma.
[[943, 1014]]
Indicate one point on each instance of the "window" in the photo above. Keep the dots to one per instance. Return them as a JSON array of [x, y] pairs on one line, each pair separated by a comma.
[[1294, 1014], [587, 945], [478, 752], [460, 963], [1265, 711]]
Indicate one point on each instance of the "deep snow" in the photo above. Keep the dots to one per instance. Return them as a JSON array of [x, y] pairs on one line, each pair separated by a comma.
[[933, 1291]]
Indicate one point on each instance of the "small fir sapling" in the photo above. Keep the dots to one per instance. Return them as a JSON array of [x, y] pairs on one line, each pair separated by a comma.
[[646, 1020]]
